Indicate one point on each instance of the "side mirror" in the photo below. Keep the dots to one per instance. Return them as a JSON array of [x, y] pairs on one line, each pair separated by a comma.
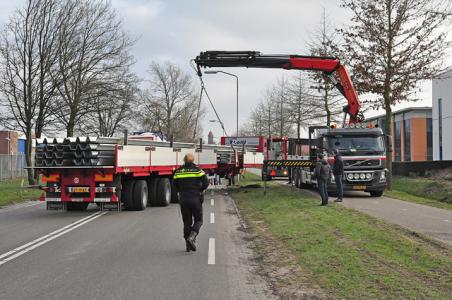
[[388, 142]]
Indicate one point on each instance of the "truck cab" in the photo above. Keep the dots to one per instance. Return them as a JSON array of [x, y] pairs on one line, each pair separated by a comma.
[[363, 151]]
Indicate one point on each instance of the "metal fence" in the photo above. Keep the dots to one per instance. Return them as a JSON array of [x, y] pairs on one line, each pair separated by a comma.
[[12, 166]]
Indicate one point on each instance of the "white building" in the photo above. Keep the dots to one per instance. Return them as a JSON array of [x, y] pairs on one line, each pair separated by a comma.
[[442, 116]]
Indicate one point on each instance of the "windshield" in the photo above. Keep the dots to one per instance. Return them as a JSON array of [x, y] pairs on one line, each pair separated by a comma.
[[356, 145], [276, 150]]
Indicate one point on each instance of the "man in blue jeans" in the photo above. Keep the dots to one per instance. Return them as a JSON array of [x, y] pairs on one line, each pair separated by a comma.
[[338, 171], [322, 173]]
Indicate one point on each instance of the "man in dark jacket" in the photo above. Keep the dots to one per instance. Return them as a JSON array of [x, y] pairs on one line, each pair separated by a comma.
[[322, 173], [190, 183], [338, 171]]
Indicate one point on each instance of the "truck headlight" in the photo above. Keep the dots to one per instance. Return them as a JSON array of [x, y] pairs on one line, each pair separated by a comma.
[[362, 176], [350, 176], [356, 176], [368, 176], [332, 178], [383, 176]]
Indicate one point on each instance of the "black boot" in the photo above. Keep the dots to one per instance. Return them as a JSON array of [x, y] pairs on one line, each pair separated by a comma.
[[191, 240], [187, 246]]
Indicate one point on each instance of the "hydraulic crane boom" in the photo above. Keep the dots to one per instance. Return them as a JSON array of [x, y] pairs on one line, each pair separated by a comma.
[[254, 59]]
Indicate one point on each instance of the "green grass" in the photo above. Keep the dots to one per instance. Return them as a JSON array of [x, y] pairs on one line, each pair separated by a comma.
[[347, 253], [10, 192], [437, 193]]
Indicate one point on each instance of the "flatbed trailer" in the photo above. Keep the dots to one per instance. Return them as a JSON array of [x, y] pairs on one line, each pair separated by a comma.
[[135, 173]]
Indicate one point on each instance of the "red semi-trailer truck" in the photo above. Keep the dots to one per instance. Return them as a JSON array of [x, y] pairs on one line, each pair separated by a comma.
[[136, 173]]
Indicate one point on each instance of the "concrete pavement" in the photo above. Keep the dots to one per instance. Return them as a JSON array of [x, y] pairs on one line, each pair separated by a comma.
[[127, 255]]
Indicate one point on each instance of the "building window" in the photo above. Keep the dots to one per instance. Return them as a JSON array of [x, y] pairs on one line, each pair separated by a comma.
[[407, 138], [397, 142], [440, 127], [429, 139]]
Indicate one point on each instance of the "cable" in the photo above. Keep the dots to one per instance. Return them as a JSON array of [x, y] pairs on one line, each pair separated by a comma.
[[203, 89]]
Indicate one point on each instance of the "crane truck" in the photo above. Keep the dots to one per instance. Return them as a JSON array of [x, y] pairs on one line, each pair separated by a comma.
[[363, 148]]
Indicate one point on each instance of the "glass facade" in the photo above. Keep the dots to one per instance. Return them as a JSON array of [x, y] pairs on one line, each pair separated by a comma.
[[397, 142], [429, 139], [407, 139]]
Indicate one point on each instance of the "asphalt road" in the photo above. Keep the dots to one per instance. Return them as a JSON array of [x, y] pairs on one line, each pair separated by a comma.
[[431, 221], [126, 255]]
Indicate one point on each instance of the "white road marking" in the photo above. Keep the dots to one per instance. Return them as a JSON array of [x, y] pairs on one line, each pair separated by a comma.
[[448, 221], [404, 209], [212, 202], [212, 218], [10, 255], [211, 258]]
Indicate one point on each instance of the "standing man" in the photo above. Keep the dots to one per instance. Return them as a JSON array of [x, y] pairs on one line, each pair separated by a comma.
[[322, 173], [338, 171], [190, 183]]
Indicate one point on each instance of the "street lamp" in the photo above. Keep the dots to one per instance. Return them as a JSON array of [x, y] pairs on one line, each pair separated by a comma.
[[221, 124], [237, 98]]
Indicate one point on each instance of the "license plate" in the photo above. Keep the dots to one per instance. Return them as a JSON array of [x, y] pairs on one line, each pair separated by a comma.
[[359, 187], [79, 189]]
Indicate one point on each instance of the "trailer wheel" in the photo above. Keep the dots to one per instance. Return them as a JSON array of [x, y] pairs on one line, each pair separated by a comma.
[[76, 206], [174, 198], [127, 194], [163, 192], [153, 185], [376, 193], [140, 195]]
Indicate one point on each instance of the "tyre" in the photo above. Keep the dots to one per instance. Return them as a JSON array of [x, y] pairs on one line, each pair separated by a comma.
[[140, 195], [153, 185], [376, 193], [76, 206], [164, 192], [174, 198], [127, 194]]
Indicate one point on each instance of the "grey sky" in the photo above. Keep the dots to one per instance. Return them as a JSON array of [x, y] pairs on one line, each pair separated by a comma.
[[178, 30]]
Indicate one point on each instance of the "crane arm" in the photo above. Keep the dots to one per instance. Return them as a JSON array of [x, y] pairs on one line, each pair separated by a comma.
[[254, 59]]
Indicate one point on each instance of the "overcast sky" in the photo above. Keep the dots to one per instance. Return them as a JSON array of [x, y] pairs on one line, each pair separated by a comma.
[[177, 31]]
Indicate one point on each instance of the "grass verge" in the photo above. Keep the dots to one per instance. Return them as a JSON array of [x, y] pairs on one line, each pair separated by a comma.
[[345, 253], [10, 192], [436, 193]]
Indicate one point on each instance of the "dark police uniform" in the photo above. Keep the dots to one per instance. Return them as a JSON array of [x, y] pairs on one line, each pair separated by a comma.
[[190, 181]]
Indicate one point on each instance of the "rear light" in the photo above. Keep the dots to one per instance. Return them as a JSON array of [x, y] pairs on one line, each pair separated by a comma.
[[103, 177], [51, 189], [50, 178]]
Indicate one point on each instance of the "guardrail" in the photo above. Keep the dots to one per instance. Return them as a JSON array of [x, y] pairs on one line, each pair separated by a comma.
[[419, 168]]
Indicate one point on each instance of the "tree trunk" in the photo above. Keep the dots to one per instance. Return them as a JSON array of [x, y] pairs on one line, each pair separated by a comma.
[[28, 152], [327, 109], [388, 131]]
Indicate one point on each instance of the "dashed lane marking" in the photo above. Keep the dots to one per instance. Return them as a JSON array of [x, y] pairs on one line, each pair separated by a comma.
[[212, 202], [211, 255], [447, 221], [212, 218]]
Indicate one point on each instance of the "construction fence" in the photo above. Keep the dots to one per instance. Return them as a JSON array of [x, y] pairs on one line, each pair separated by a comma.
[[12, 166]]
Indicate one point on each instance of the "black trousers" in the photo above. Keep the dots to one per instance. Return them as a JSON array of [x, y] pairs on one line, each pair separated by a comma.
[[191, 210]]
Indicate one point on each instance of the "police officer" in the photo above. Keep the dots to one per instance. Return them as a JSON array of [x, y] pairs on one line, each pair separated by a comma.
[[190, 183]]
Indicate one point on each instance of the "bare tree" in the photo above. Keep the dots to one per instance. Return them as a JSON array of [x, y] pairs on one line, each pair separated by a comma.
[[324, 43], [171, 103], [393, 44], [279, 100], [92, 47], [27, 57]]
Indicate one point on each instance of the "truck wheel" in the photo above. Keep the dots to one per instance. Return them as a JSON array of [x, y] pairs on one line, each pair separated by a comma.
[[153, 187], [174, 198], [376, 193], [140, 195], [76, 206], [127, 194], [164, 192]]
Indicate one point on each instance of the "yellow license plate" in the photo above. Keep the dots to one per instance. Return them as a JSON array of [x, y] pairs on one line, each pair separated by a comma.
[[359, 187], [80, 189]]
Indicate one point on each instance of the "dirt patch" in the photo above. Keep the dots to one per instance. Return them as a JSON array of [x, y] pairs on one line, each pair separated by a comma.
[[279, 265]]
